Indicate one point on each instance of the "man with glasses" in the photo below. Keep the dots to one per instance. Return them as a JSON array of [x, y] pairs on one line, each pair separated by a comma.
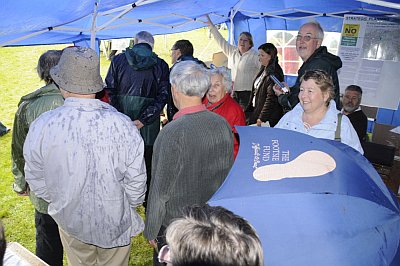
[[314, 56], [182, 50]]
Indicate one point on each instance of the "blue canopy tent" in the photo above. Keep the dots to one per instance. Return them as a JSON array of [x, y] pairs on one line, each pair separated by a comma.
[[76, 21], [86, 22]]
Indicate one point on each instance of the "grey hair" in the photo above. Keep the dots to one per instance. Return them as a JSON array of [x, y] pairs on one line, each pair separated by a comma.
[[215, 236], [355, 88], [320, 30], [144, 37], [46, 61], [190, 78], [226, 77]]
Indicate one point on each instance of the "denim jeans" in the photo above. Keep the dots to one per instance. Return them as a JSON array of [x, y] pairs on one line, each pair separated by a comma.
[[48, 242]]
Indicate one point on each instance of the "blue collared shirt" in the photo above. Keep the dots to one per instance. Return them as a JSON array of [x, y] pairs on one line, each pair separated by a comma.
[[325, 129]]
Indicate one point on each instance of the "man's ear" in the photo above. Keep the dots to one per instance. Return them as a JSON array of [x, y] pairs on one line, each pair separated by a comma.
[[175, 95], [174, 91], [319, 43]]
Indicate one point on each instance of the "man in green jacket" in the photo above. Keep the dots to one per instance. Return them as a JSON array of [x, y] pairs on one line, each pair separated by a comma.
[[30, 107]]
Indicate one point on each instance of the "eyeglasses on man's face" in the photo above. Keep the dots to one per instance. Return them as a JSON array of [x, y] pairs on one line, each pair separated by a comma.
[[305, 38], [164, 255]]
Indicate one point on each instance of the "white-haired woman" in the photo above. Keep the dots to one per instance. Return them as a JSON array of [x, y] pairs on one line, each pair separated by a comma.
[[316, 115], [219, 100]]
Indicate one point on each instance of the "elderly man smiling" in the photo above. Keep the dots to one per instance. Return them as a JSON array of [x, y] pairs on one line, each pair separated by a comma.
[[314, 56]]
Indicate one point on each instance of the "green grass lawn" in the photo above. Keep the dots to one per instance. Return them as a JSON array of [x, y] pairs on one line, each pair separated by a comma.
[[18, 77]]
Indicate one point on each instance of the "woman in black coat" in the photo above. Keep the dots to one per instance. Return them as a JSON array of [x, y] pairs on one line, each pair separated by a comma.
[[263, 105]]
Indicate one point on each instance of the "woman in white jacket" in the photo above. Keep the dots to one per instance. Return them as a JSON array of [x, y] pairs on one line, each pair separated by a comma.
[[243, 62], [316, 115]]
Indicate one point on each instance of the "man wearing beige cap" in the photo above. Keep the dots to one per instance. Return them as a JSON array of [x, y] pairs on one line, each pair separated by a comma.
[[86, 160]]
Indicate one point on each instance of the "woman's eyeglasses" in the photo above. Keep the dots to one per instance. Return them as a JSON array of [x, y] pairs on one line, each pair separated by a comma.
[[164, 255]]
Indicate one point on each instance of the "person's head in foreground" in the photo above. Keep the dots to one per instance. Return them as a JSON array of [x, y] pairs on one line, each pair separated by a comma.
[[215, 236], [352, 98], [78, 73], [221, 83], [316, 91], [189, 83]]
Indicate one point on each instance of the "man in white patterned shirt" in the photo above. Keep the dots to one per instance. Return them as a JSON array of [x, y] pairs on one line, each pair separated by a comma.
[[86, 159]]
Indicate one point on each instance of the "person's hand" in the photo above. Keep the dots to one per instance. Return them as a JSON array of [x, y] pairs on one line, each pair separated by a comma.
[[164, 121], [259, 122], [138, 124], [153, 243], [278, 91], [23, 193]]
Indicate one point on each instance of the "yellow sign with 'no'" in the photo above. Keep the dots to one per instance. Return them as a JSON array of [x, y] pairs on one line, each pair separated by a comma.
[[351, 30]]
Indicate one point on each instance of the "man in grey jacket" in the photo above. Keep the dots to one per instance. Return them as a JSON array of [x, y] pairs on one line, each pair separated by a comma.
[[86, 159], [192, 154]]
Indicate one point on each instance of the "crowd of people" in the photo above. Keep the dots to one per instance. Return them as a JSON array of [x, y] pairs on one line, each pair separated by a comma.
[[88, 153]]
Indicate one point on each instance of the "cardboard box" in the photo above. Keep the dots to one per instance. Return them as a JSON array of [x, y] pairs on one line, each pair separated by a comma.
[[16, 254], [369, 111], [383, 135], [220, 59]]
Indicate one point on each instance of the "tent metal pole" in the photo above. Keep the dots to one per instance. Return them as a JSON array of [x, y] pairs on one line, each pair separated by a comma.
[[381, 3], [233, 12], [120, 15], [24, 37], [231, 33], [93, 28]]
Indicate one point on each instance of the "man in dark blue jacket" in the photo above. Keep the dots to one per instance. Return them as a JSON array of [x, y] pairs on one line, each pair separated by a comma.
[[137, 84], [182, 50]]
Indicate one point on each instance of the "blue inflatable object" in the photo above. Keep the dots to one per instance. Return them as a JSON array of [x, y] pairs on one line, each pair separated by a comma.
[[312, 201]]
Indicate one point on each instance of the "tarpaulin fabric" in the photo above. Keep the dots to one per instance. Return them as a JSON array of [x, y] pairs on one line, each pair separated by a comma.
[[312, 201], [52, 22]]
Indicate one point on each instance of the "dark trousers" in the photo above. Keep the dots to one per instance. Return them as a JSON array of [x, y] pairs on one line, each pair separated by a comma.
[[161, 241], [148, 154], [242, 98], [48, 242]]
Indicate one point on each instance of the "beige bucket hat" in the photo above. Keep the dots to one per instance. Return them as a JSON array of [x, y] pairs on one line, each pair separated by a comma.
[[78, 71]]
